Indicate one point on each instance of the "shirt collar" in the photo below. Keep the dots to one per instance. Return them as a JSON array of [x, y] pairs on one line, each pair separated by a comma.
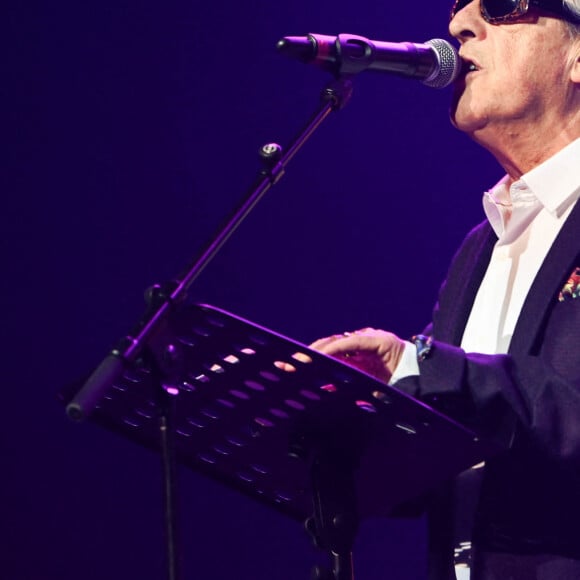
[[554, 185], [556, 182]]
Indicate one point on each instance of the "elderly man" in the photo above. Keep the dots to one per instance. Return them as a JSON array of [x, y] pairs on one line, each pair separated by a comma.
[[502, 352]]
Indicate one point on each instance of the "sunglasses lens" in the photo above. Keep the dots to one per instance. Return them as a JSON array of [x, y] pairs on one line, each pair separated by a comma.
[[500, 8]]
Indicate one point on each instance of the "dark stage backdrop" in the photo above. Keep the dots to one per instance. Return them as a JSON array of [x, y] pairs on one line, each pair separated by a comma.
[[131, 129]]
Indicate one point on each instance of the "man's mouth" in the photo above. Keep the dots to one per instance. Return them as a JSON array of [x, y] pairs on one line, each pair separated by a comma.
[[469, 66]]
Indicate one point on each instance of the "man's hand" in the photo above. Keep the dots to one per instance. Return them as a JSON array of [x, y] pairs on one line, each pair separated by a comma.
[[373, 351]]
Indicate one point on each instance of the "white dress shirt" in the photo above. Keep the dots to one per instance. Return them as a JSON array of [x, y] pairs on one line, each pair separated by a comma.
[[526, 217]]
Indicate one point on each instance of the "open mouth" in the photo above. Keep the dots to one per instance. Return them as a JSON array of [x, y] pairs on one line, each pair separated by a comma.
[[468, 67]]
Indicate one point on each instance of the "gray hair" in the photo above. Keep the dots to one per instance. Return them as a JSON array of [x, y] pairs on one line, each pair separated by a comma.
[[574, 28], [572, 7]]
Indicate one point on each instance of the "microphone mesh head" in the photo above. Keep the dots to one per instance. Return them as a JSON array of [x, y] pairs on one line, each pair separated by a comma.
[[449, 64]]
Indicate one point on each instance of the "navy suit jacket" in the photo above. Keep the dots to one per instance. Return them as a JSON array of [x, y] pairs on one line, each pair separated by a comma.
[[528, 400]]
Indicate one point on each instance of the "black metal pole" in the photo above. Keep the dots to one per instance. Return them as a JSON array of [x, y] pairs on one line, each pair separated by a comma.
[[334, 522], [166, 434]]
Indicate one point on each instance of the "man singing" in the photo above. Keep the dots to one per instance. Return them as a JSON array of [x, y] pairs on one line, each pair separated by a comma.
[[502, 354]]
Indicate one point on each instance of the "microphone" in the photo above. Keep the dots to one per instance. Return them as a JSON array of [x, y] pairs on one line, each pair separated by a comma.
[[435, 63]]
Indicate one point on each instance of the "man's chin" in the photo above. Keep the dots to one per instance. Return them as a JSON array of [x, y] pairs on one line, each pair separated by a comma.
[[465, 120], [460, 112], [458, 121]]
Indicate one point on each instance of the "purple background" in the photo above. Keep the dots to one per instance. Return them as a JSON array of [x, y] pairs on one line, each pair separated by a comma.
[[131, 130]]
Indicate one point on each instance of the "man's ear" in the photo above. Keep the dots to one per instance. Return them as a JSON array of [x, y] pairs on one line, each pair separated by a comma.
[[575, 72], [575, 75]]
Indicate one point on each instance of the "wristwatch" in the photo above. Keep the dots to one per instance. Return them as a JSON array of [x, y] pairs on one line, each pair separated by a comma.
[[424, 345]]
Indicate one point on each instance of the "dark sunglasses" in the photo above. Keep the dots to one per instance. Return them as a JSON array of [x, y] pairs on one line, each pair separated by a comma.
[[497, 11]]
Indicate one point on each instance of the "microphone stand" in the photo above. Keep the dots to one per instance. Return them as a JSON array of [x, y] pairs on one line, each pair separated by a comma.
[[161, 298]]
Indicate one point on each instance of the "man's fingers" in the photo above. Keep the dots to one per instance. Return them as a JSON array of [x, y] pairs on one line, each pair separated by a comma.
[[323, 343], [335, 345], [376, 352]]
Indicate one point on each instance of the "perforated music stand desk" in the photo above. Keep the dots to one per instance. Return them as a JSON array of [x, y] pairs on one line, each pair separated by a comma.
[[252, 408]]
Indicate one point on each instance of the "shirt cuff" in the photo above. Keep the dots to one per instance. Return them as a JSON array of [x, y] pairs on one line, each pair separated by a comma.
[[408, 365]]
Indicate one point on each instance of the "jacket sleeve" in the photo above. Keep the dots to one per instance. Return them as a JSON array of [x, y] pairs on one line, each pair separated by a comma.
[[532, 395]]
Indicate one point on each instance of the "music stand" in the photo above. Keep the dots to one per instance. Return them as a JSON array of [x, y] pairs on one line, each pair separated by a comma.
[[311, 437]]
